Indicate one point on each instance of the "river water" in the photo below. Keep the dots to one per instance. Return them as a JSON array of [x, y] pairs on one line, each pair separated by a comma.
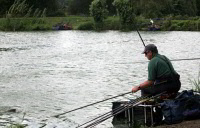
[[46, 73]]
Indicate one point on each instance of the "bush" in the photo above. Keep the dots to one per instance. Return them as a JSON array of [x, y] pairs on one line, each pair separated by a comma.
[[112, 23], [98, 10], [24, 24], [86, 26], [196, 82], [58, 13], [13, 25], [189, 26], [174, 27], [16, 126]]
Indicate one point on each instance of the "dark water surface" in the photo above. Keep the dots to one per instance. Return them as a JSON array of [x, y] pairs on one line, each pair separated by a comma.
[[46, 73]]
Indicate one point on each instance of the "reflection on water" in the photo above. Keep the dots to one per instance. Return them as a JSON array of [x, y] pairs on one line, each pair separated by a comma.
[[46, 73]]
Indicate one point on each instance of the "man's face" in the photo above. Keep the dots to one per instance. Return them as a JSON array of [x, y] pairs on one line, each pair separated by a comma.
[[148, 54]]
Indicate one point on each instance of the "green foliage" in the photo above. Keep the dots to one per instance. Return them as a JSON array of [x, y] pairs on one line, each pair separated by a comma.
[[18, 9], [58, 13], [86, 26], [184, 7], [112, 23], [44, 13], [152, 9], [36, 13], [196, 82], [87, 23], [24, 24], [79, 7], [13, 25], [125, 11], [188, 26], [16, 126], [98, 10]]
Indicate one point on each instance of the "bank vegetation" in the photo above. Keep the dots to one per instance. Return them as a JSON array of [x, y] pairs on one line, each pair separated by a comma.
[[125, 15]]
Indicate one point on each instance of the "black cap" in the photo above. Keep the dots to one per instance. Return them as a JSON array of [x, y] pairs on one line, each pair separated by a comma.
[[150, 47]]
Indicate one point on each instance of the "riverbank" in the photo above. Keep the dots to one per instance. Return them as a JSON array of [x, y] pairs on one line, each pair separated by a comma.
[[184, 124], [87, 23]]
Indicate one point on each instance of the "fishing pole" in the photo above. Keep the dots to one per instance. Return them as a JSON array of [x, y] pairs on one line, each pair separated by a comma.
[[183, 59], [91, 104], [126, 107], [140, 36], [119, 110], [113, 111], [107, 115]]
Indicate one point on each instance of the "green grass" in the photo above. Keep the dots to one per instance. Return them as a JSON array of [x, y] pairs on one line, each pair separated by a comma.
[[196, 82], [16, 126], [87, 23], [29, 24]]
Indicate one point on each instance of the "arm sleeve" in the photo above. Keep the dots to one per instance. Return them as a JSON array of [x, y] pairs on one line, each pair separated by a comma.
[[151, 71]]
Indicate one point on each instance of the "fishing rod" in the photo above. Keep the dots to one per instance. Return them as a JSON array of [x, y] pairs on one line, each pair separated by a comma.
[[126, 107], [172, 60], [107, 115], [113, 111], [119, 110], [140, 37], [91, 104], [120, 107], [139, 34]]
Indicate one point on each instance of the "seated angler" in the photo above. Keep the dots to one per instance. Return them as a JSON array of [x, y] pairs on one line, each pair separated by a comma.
[[161, 74]]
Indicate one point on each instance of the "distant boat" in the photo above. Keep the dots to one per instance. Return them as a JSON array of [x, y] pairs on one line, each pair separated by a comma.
[[61, 26], [154, 27]]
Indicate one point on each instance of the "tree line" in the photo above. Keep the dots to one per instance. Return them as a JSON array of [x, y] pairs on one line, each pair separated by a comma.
[[145, 8]]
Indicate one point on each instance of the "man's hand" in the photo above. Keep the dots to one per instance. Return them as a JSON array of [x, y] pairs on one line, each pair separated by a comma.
[[135, 89]]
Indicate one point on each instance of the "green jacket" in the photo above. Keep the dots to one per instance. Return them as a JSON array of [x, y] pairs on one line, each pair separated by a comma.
[[158, 69]]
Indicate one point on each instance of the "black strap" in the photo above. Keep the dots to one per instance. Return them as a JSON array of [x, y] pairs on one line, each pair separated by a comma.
[[172, 73]]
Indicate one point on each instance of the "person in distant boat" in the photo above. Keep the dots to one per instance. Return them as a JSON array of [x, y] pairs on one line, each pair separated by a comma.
[[161, 74]]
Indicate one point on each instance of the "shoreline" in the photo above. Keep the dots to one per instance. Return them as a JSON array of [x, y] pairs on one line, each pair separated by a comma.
[[87, 23], [184, 124]]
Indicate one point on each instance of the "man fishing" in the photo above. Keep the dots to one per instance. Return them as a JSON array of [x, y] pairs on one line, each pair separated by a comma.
[[161, 74]]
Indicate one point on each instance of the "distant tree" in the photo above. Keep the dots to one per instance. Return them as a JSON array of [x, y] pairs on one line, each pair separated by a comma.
[[151, 8], [98, 10], [184, 7], [52, 6], [77, 7], [198, 7], [125, 11], [110, 7], [5, 5], [167, 7], [190, 7]]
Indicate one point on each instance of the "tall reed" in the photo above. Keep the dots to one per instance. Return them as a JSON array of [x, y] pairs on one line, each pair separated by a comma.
[[196, 82], [21, 17]]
